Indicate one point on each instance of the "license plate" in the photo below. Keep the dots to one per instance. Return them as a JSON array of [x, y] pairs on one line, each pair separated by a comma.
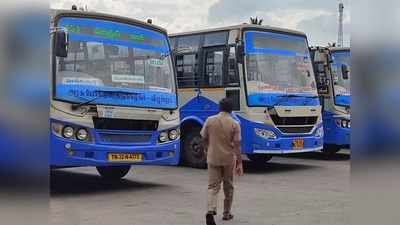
[[105, 111], [298, 144], [125, 157]]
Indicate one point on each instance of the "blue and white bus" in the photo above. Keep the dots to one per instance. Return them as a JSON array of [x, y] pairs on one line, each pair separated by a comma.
[[113, 94], [266, 71], [332, 67]]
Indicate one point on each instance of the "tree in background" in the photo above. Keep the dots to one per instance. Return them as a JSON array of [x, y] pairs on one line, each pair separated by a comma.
[[256, 21]]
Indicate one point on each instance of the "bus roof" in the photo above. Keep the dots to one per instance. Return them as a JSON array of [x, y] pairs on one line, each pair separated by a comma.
[[54, 13], [330, 48], [335, 49], [240, 27]]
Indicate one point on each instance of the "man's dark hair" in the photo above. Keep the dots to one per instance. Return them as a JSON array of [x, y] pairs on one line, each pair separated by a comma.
[[226, 105]]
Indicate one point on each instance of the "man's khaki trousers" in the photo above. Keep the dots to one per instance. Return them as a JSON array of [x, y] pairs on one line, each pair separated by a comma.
[[216, 176]]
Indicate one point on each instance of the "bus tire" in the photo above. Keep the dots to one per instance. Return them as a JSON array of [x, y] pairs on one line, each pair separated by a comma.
[[259, 159], [193, 154], [113, 172], [330, 149]]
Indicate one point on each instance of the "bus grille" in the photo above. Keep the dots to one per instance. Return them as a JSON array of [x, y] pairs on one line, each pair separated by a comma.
[[295, 130], [125, 138], [309, 120], [124, 124]]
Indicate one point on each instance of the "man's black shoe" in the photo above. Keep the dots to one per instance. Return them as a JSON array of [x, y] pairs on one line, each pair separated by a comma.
[[210, 219], [227, 216]]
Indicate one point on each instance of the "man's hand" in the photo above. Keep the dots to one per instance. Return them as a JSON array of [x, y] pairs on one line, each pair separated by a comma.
[[239, 168]]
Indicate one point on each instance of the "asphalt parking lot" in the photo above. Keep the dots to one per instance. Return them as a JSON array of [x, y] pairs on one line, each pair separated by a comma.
[[308, 189]]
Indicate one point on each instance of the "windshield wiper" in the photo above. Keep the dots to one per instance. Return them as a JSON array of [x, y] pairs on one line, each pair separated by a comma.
[[118, 92], [77, 106], [296, 96]]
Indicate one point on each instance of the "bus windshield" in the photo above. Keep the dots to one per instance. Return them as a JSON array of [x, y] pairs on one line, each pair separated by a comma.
[[277, 65], [112, 63], [341, 85]]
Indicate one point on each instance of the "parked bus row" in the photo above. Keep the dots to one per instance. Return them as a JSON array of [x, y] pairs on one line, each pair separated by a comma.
[[117, 82]]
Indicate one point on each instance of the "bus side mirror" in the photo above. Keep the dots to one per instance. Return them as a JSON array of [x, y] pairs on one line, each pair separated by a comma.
[[345, 72], [240, 53], [61, 43]]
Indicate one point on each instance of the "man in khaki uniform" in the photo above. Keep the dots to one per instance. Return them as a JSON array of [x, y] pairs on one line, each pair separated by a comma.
[[221, 139]]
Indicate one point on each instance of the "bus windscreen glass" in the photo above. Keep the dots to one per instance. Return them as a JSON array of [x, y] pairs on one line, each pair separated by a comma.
[[116, 64], [278, 65], [341, 85]]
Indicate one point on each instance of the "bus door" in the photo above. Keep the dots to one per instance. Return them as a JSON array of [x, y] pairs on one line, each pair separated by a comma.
[[231, 79], [221, 76], [214, 61]]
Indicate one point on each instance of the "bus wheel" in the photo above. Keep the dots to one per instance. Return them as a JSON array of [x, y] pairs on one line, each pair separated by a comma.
[[113, 172], [193, 153], [259, 159], [330, 149]]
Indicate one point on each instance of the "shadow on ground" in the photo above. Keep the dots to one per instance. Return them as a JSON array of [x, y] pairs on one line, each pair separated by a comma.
[[321, 156], [64, 183], [273, 167]]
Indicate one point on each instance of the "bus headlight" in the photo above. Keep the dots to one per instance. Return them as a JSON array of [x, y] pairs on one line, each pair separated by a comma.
[[163, 136], [174, 134], [68, 132], [320, 132], [82, 134], [57, 129], [267, 134], [344, 123]]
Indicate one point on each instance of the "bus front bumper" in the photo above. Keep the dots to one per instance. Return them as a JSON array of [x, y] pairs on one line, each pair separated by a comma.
[[284, 145], [287, 151], [69, 153]]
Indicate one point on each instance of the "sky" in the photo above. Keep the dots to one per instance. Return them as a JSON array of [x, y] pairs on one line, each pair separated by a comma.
[[317, 18]]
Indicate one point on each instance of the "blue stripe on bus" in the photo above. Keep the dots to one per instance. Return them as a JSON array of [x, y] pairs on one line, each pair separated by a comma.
[[251, 49], [272, 99], [89, 38], [114, 26], [139, 98]]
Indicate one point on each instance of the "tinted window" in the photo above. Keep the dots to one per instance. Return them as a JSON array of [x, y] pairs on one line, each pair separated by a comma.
[[279, 42], [212, 39], [191, 43], [235, 96]]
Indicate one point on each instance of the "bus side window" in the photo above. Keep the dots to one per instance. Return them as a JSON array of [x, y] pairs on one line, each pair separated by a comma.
[[187, 72], [233, 74], [214, 67], [187, 60]]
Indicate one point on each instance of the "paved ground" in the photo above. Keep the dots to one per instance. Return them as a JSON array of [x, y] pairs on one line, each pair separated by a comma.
[[301, 190]]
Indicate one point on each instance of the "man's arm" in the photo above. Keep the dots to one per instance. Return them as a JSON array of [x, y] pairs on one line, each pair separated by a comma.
[[237, 149], [236, 143]]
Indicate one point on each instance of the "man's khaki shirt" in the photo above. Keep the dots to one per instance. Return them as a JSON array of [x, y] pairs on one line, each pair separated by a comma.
[[222, 132]]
